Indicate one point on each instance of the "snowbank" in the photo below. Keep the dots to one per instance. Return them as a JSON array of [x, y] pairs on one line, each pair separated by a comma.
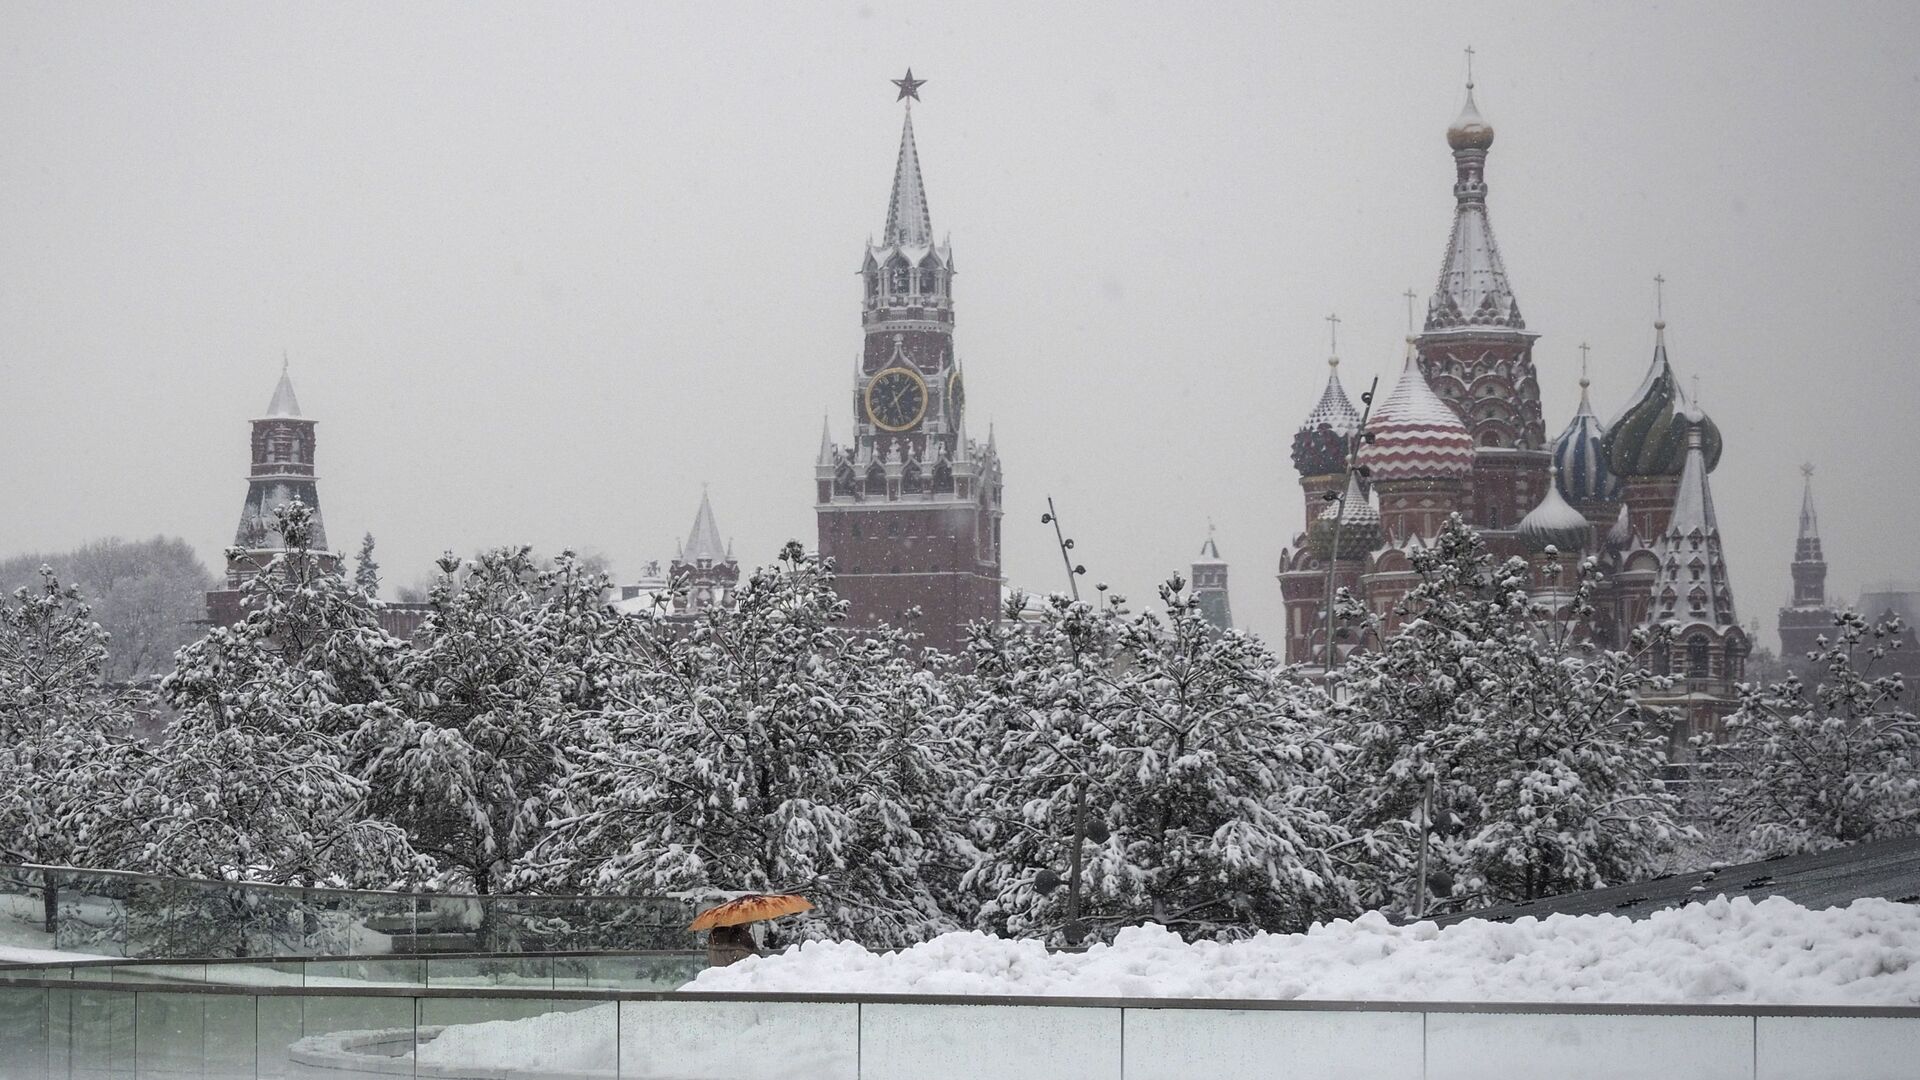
[[1721, 951]]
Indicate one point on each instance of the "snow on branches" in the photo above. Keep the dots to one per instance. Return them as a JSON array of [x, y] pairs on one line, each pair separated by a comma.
[[1805, 768], [1543, 771]]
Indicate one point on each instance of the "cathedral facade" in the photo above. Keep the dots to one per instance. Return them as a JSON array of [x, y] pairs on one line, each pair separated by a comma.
[[1461, 430], [909, 509]]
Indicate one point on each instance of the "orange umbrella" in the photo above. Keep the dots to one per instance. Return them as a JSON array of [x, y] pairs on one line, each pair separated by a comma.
[[750, 909]]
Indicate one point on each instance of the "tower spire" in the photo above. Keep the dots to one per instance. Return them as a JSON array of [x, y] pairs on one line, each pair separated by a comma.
[[908, 222], [1809, 521], [1473, 290]]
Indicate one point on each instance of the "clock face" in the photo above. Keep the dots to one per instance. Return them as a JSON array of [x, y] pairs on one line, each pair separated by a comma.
[[896, 399], [956, 397]]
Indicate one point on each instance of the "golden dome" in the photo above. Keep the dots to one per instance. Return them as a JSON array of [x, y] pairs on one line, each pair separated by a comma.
[[1469, 130]]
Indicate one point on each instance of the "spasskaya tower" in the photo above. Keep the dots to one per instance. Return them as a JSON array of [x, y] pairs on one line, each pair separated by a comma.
[[909, 510]]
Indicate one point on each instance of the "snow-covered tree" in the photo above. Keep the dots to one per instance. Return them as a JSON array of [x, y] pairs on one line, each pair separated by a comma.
[[769, 749], [366, 572], [1805, 768], [1544, 773], [508, 665], [67, 765], [255, 782], [1187, 759]]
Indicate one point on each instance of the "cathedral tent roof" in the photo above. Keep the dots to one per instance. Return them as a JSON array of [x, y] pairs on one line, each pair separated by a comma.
[[1693, 586], [1473, 290]]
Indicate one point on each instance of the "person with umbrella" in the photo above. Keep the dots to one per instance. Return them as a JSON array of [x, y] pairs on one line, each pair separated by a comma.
[[728, 939]]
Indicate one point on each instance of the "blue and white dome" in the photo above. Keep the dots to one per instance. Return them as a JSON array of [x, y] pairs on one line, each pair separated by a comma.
[[1580, 458]]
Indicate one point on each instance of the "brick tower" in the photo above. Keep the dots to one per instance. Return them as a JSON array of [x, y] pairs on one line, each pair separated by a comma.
[[282, 471], [909, 511], [1210, 584], [1808, 616]]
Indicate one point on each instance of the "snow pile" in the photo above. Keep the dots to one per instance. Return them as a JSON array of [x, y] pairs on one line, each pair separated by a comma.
[[1722, 951], [555, 1041]]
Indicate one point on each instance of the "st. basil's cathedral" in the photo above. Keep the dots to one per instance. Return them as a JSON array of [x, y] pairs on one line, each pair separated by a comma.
[[1461, 431]]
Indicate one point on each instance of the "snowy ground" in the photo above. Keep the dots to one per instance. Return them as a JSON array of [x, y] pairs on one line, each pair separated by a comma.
[[1722, 951], [13, 954]]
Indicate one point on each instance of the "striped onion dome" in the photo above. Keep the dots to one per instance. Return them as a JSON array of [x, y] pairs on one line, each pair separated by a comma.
[[1580, 460], [1416, 436], [1320, 446], [1358, 525], [1554, 523], [1649, 437]]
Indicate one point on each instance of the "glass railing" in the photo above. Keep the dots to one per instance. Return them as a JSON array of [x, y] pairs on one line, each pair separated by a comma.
[[113, 913], [661, 970], [77, 1029]]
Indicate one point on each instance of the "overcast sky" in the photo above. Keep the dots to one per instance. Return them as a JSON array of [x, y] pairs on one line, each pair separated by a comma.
[[541, 270]]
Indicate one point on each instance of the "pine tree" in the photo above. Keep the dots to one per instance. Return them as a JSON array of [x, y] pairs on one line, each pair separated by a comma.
[[67, 764], [769, 750], [1806, 768], [255, 780], [366, 572], [1188, 759], [508, 665], [1544, 773]]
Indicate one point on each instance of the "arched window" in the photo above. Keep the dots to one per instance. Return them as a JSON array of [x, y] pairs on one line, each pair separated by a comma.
[[942, 479], [1699, 657], [876, 480], [844, 482], [910, 481], [901, 278]]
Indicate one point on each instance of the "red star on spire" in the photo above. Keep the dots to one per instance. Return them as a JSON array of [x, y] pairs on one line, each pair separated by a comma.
[[909, 86]]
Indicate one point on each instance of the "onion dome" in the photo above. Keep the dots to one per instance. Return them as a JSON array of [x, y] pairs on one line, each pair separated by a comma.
[[1320, 446], [1358, 523], [1649, 438], [1580, 460], [1554, 523], [1416, 436], [1469, 131]]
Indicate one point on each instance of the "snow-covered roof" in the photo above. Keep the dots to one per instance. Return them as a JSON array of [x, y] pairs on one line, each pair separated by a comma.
[[1473, 290], [1415, 434], [1554, 522], [1333, 409]]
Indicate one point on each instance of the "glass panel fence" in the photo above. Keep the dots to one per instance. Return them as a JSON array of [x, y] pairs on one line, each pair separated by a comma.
[[126, 1031], [109, 913]]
